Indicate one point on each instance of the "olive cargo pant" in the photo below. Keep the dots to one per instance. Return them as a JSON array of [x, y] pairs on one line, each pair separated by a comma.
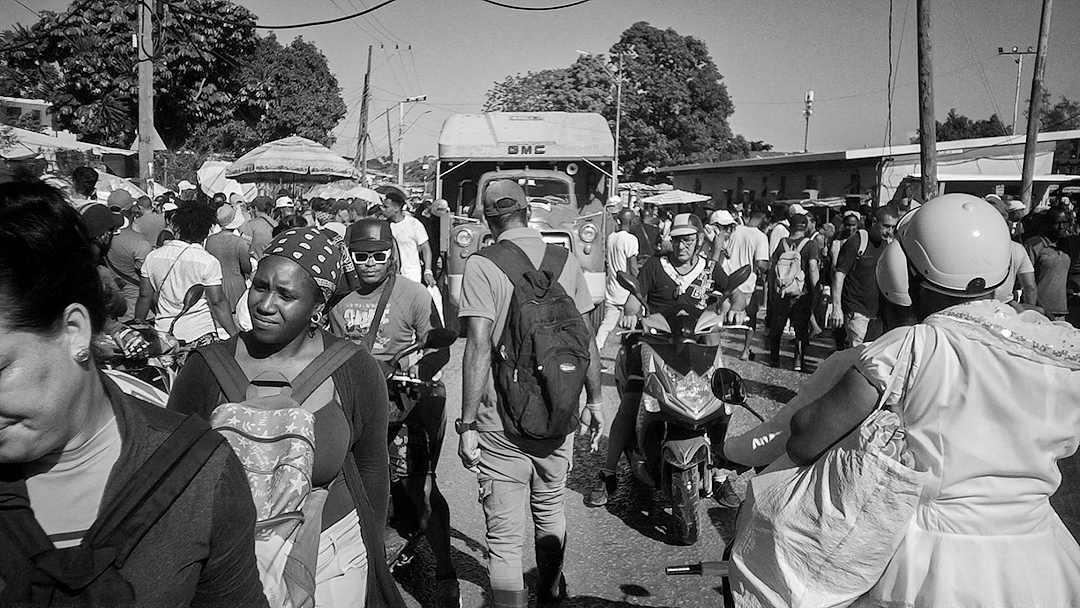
[[511, 480]]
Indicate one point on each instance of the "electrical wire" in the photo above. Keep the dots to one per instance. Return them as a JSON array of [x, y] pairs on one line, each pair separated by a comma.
[[290, 26], [536, 8], [72, 11]]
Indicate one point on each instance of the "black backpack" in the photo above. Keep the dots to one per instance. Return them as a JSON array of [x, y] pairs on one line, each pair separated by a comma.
[[542, 357], [35, 573]]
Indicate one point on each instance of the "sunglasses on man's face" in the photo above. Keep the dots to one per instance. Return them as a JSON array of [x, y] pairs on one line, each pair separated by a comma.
[[379, 257]]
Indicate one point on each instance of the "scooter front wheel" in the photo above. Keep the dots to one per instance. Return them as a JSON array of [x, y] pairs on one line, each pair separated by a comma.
[[685, 497]]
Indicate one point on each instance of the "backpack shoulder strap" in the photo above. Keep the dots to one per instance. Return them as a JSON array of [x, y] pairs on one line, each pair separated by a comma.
[[154, 487], [321, 368], [510, 259], [864, 241], [554, 260], [802, 244], [226, 370]]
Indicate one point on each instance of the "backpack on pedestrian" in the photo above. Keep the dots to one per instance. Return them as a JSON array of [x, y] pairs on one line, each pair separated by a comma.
[[790, 274], [542, 357], [37, 573], [274, 438]]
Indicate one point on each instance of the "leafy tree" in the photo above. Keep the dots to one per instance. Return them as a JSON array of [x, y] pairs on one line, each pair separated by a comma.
[[675, 108], [958, 126], [585, 86], [219, 88], [1061, 116], [96, 95], [284, 91]]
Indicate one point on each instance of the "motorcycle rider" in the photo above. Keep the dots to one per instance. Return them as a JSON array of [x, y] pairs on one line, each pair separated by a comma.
[[415, 442], [681, 278]]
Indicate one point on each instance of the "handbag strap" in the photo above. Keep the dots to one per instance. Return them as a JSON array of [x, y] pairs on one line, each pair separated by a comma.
[[373, 329]]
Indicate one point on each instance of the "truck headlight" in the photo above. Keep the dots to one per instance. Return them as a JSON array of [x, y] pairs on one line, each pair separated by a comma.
[[587, 233], [463, 238]]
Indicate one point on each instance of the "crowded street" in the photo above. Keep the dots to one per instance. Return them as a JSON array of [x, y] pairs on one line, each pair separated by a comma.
[[539, 304]]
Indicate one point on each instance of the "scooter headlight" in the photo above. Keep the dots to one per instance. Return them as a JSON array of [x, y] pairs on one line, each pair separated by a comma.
[[693, 390], [650, 403]]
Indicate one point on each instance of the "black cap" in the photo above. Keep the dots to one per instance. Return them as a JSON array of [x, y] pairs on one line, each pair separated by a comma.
[[370, 234], [99, 219]]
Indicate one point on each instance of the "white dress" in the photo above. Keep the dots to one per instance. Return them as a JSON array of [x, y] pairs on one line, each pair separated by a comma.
[[992, 402]]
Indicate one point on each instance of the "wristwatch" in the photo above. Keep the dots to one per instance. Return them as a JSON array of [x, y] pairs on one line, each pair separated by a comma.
[[461, 427]]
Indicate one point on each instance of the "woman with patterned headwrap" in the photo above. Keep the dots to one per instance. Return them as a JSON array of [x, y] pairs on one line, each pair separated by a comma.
[[287, 303]]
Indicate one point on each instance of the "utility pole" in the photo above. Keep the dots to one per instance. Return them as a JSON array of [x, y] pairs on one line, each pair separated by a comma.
[[1018, 56], [927, 125], [807, 111], [618, 125], [361, 149], [389, 138], [1034, 105], [144, 42], [401, 134]]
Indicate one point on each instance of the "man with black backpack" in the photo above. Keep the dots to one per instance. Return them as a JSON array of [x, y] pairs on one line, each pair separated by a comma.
[[522, 303]]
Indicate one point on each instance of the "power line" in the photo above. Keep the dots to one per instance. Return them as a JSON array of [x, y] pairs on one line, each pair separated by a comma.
[[290, 26], [72, 11], [536, 8]]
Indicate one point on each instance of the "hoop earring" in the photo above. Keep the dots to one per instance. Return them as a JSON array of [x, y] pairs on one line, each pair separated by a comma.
[[82, 355], [316, 323]]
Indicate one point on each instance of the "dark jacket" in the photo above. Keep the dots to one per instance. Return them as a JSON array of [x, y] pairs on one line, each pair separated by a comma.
[[362, 389], [202, 551]]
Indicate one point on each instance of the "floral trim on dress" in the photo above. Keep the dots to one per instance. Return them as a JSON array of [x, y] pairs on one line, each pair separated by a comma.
[[1027, 334]]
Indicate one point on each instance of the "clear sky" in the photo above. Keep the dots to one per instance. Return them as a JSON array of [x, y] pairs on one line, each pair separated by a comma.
[[770, 52]]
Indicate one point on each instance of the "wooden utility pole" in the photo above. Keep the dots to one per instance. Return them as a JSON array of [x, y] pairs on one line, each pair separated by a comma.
[[389, 137], [927, 125], [145, 44], [1033, 106], [361, 148]]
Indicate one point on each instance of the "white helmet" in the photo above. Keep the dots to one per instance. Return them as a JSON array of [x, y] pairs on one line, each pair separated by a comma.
[[957, 243], [892, 274]]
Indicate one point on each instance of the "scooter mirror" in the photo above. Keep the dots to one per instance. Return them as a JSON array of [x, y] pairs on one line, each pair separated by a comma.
[[630, 283], [440, 338], [728, 386], [192, 296]]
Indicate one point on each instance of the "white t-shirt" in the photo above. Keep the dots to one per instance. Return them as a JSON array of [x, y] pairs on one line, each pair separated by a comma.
[[747, 245], [621, 246], [410, 235], [171, 281], [1019, 264]]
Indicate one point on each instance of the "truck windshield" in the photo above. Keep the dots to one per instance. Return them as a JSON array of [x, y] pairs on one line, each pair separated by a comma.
[[550, 191]]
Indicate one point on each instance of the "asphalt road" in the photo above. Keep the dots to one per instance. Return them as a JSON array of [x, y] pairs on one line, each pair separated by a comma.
[[615, 555]]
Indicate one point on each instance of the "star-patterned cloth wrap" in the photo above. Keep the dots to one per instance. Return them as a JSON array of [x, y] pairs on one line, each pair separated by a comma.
[[274, 438], [319, 252]]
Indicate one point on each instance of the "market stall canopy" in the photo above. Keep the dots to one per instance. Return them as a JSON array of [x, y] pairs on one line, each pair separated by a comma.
[[344, 189], [676, 197], [832, 201], [29, 144], [212, 180], [108, 183], [291, 159]]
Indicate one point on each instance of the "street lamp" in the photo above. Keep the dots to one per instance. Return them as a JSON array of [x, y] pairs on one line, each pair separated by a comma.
[[618, 77], [1018, 56], [401, 134]]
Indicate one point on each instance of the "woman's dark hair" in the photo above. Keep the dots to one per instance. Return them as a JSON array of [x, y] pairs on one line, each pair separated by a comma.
[[288, 222], [85, 181], [193, 221], [46, 259]]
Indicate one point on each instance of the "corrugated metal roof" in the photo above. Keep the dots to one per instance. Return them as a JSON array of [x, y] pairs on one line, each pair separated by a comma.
[[561, 135], [864, 153]]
